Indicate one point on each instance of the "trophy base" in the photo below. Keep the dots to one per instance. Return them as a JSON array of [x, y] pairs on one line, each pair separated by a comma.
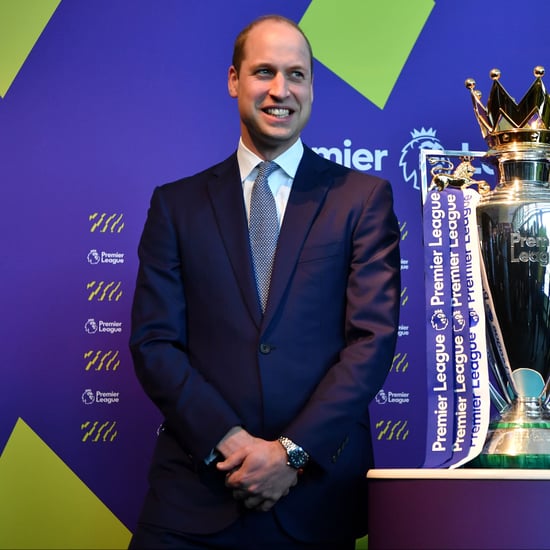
[[519, 438]]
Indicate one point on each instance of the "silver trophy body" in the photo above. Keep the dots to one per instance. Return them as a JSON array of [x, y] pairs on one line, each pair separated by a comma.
[[514, 228]]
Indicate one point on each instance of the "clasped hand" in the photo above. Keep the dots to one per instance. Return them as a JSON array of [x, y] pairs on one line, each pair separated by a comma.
[[256, 470]]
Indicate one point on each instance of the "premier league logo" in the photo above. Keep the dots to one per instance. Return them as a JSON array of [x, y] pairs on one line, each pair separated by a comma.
[[439, 320], [410, 154]]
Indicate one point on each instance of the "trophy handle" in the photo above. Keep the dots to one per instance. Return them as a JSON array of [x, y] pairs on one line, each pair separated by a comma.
[[500, 397], [500, 401], [498, 357]]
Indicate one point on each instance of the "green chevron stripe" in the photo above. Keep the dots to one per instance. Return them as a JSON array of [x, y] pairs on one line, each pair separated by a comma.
[[21, 23], [45, 505], [366, 42]]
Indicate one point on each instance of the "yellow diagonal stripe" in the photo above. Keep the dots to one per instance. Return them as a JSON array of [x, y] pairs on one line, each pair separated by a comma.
[[21, 23], [365, 42], [43, 504]]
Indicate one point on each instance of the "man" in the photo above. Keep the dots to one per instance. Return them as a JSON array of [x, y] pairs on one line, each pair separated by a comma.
[[266, 440]]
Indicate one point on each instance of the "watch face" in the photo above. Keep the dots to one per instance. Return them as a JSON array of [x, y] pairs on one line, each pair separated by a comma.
[[297, 458]]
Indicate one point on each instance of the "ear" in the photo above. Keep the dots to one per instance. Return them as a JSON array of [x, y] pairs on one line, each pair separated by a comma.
[[233, 81]]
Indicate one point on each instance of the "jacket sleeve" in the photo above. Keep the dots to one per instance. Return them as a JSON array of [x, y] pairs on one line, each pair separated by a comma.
[[194, 410], [342, 397]]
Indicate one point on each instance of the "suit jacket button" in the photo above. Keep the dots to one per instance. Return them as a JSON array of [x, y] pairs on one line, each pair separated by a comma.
[[265, 348]]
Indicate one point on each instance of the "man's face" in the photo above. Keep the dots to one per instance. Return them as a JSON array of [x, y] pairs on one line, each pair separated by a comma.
[[273, 88]]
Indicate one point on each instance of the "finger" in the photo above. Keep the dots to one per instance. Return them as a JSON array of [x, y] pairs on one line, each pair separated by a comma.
[[266, 505], [232, 462], [232, 481], [255, 502], [239, 494], [235, 480]]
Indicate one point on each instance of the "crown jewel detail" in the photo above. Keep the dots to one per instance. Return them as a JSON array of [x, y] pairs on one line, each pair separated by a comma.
[[503, 121]]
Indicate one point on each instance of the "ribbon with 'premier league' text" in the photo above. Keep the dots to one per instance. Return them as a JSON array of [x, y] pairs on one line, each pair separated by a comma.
[[458, 402], [439, 332], [480, 402], [460, 325]]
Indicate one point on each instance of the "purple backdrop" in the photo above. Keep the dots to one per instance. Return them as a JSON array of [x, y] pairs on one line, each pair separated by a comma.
[[117, 97]]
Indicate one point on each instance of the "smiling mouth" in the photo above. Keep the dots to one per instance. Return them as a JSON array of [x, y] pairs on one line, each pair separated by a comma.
[[278, 112]]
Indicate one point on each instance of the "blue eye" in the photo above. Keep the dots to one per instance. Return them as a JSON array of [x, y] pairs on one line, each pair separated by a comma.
[[264, 72]]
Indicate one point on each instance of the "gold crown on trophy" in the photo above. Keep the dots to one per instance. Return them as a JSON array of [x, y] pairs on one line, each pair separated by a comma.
[[506, 124]]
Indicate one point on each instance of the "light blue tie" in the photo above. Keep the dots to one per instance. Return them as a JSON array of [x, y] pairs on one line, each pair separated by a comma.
[[264, 229]]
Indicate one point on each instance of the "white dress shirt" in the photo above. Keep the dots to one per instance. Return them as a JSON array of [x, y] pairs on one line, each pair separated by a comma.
[[280, 181]]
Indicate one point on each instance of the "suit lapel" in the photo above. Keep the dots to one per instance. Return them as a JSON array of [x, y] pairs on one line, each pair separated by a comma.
[[226, 195], [308, 191], [306, 198]]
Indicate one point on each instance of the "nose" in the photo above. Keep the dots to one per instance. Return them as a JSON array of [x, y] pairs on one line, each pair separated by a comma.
[[279, 86]]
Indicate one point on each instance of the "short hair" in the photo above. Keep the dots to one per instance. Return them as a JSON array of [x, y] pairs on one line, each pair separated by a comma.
[[240, 41]]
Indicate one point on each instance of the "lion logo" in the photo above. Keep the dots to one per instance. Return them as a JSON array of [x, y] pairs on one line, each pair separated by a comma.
[[91, 326], [88, 397], [410, 154], [439, 320], [93, 257], [381, 397], [459, 322], [444, 174]]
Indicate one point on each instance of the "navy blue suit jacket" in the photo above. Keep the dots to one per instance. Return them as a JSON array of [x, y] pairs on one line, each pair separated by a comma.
[[307, 369]]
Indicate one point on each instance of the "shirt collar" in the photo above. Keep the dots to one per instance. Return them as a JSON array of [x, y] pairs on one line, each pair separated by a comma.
[[288, 161]]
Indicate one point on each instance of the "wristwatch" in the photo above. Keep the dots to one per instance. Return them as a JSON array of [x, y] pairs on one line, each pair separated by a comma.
[[297, 458]]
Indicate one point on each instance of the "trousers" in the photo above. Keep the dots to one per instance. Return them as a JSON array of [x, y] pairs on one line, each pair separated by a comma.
[[253, 531]]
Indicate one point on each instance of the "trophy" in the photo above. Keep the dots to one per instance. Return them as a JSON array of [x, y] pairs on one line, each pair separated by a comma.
[[514, 230]]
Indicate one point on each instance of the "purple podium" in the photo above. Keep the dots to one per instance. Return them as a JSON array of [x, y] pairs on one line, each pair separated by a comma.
[[444, 509]]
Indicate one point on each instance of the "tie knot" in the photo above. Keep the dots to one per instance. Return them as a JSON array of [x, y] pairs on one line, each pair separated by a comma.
[[266, 168]]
